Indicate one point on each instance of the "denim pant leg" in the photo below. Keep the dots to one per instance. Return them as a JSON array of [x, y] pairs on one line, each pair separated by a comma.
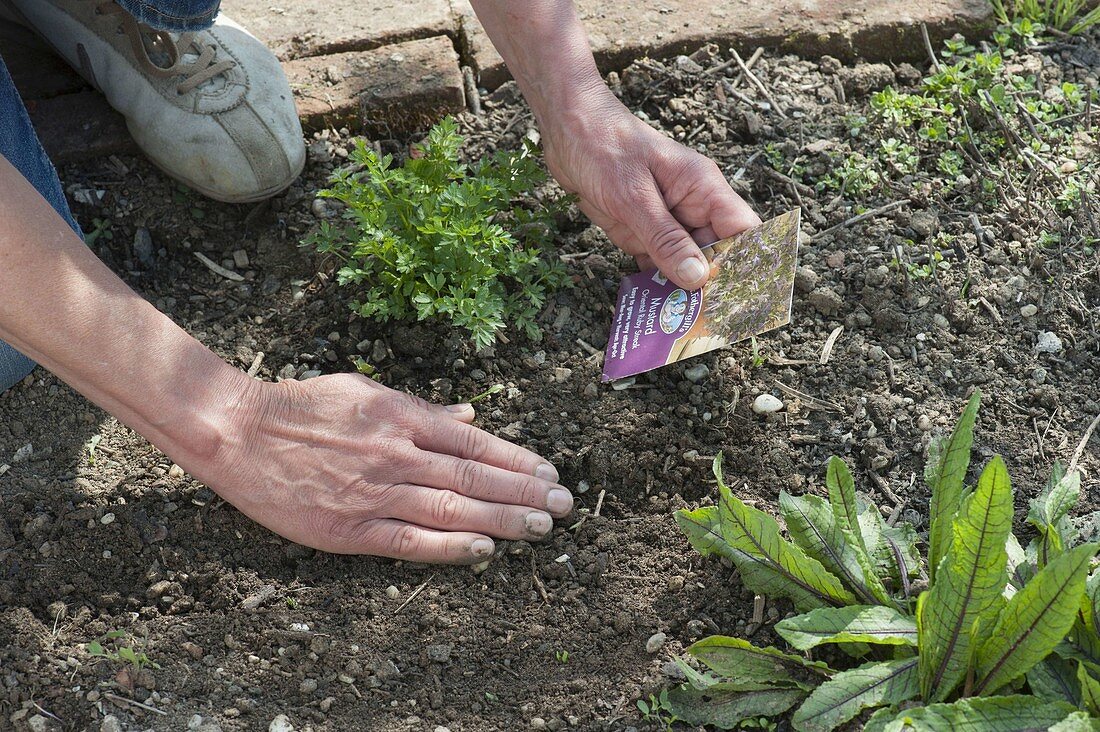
[[173, 15], [19, 144]]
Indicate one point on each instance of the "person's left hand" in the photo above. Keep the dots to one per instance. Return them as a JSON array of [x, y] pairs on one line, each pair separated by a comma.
[[656, 199]]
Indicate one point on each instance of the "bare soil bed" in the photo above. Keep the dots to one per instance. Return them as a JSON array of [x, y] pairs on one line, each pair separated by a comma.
[[245, 626]]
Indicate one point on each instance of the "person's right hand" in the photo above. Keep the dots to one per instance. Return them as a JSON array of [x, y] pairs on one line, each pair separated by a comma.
[[343, 464]]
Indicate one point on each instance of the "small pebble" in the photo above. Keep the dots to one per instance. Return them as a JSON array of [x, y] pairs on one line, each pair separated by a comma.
[[538, 723], [697, 373], [110, 723], [1029, 311], [655, 643], [107, 518], [924, 424], [175, 471], [766, 404], [308, 686], [392, 592], [1048, 343], [280, 724], [22, 453]]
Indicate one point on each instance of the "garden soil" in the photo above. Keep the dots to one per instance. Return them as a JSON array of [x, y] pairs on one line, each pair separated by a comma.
[[568, 633]]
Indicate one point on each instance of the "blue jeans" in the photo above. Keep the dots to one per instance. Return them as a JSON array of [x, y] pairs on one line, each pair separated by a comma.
[[19, 144]]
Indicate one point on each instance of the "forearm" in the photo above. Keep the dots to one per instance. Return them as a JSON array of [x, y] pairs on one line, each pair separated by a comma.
[[546, 49], [62, 307]]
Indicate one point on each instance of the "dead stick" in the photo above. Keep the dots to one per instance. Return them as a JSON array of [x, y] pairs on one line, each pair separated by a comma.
[[757, 83], [124, 700], [928, 47], [1081, 446], [863, 216], [414, 595]]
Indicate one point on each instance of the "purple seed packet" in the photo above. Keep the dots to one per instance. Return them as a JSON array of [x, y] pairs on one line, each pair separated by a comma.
[[749, 292]]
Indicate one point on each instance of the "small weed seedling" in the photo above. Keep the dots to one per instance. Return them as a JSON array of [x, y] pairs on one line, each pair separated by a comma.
[[101, 229], [561, 657], [757, 357], [120, 652], [92, 445], [657, 710], [494, 389], [1003, 638], [366, 369], [435, 238]]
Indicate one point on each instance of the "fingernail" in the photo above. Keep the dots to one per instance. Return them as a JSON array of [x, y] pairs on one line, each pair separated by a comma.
[[456, 408], [559, 501], [481, 547], [546, 471], [692, 270], [539, 523]]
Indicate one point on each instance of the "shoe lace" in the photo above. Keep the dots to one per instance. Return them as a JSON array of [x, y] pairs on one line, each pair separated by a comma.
[[185, 56]]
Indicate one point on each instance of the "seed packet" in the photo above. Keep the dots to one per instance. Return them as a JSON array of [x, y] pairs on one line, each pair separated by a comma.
[[749, 292]]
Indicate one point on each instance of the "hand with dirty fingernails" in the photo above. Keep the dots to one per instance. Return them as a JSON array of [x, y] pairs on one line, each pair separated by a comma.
[[344, 464], [655, 198]]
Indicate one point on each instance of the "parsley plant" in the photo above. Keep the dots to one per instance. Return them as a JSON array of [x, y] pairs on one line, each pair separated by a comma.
[[437, 238]]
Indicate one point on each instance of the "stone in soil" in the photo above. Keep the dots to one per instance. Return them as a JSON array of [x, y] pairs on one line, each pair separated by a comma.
[[766, 404]]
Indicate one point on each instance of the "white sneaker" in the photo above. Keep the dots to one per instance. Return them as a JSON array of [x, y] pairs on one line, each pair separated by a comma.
[[212, 109]]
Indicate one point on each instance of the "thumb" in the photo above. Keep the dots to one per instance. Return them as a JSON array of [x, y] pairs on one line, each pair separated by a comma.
[[667, 243]]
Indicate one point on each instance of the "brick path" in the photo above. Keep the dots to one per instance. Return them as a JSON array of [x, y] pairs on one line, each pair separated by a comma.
[[388, 66]]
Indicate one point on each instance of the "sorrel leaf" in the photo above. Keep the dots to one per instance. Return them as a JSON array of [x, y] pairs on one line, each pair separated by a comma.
[[1048, 513], [846, 510], [1055, 679], [758, 573], [983, 714], [842, 496], [725, 706], [755, 533], [737, 660], [1034, 621], [1090, 689], [969, 586], [873, 624], [849, 692], [944, 474], [813, 527]]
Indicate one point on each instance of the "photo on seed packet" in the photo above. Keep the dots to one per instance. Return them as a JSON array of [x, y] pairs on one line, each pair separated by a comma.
[[749, 292]]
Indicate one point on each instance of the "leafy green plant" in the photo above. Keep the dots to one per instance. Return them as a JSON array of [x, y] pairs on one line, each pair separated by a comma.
[[494, 389], [119, 648], [657, 710], [101, 229], [956, 656], [437, 238], [92, 445], [1062, 15], [561, 657]]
